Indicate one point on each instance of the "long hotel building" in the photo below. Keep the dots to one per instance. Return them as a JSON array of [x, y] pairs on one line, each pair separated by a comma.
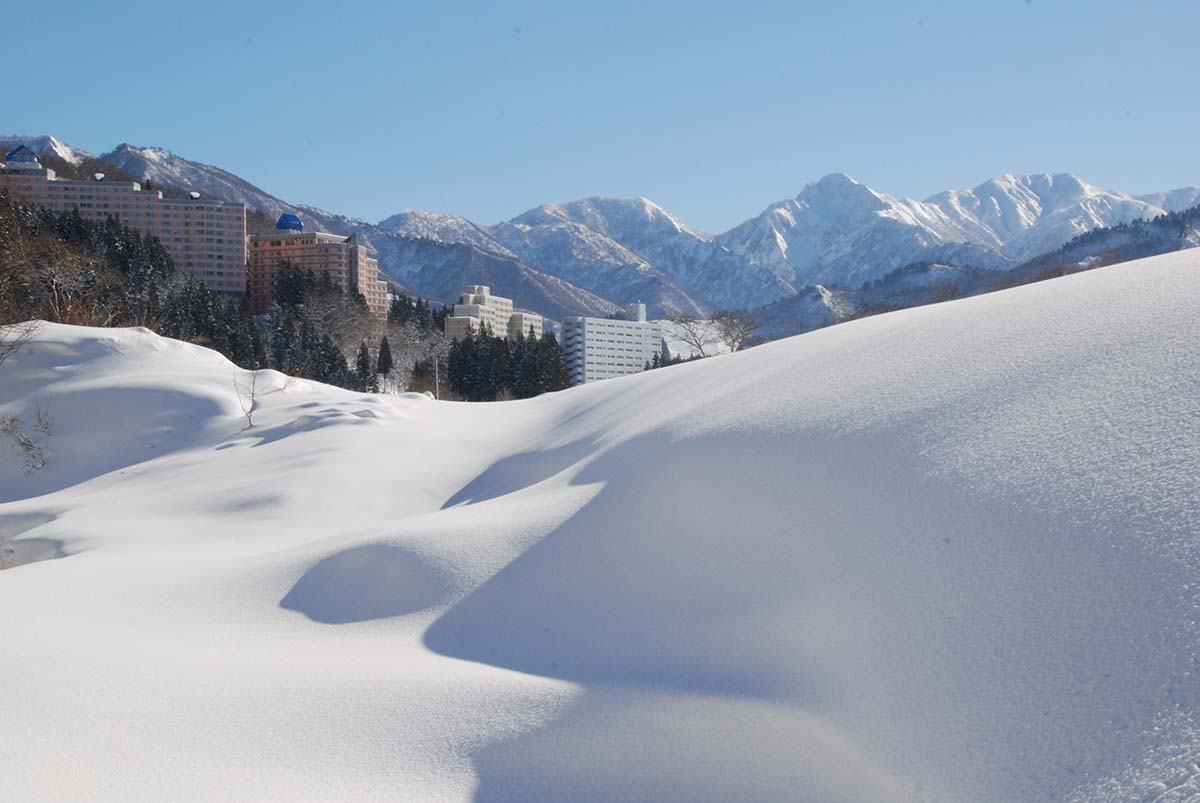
[[600, 348], [341, 258], [205, 237]]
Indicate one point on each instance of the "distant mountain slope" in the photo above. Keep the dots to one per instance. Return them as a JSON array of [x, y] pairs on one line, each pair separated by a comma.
[[42, 145], [1029, 215], [836, 232], [168, 169], [593, 260], [1175, 231], [696, 261], [929, 282], [814, 307], [1175, 200], [554, 242], [843, 232], [443, 229], [441, 270]]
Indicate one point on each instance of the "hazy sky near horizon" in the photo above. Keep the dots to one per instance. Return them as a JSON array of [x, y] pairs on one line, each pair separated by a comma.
[[714, 110]]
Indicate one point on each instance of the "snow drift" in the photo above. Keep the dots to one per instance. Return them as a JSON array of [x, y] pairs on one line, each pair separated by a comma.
[[950, 553]]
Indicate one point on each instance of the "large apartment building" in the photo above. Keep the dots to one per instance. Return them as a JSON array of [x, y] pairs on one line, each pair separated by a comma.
[[478, 307], [599, 348], [205, 237], [341, 258]]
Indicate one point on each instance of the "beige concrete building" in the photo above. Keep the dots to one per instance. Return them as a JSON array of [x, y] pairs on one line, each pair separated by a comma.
[[341, 258], [204, 237], [521, 322], [477, 308]]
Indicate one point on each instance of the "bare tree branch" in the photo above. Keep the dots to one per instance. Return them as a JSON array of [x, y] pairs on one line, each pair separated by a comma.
[[43, 422], [735, 327], [14, 336], [692, 331], [34, 456], [247, 393]]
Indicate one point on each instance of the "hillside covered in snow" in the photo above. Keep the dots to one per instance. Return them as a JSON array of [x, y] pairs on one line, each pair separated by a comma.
[[949, 553]]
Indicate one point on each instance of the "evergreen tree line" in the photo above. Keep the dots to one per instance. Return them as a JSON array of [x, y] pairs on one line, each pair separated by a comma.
[[313, 324], [484, 367], [659, 361], [405, 309], [416, 332]]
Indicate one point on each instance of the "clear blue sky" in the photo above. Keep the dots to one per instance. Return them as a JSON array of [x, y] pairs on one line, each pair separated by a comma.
[[712, 109]]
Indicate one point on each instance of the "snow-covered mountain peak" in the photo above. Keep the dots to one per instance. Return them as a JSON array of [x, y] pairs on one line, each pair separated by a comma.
[[1174, 200], [152, 152], [441, 228], [841, 199], [835, 179], [156, 158], [45, 144], [623, 219], [1053, 190], [417, 222], [836, 186], [163, 166]]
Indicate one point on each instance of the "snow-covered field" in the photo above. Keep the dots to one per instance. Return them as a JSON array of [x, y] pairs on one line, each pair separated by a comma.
[[950, 553]]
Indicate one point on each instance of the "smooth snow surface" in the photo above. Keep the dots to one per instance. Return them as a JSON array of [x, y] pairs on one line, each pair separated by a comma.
[[950, 553]]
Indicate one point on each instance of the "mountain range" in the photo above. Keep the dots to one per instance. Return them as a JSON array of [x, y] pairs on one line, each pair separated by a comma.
[[593, 255]]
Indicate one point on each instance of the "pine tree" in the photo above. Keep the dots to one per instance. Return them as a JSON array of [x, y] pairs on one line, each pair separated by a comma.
[[521, 349], [460, 363], [364, 376], [383, 362], [496, 368], [552, 365]]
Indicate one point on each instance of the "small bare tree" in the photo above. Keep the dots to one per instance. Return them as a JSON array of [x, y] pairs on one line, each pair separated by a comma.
[[734, 327], [247, 393], [14, 336], [33, 454], [43, 421], [693, 331]]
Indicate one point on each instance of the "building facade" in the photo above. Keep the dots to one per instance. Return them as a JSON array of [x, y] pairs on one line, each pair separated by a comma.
[[341, 258], [364, 276], [519, 323], [205, 237], [599, 348], [477, 307]]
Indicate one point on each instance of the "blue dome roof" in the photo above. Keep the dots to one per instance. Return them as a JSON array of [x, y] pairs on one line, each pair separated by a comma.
[[289, 222], [22, 154]]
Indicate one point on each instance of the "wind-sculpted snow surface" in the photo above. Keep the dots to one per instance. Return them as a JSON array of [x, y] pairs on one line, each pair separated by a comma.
[[950, 553]]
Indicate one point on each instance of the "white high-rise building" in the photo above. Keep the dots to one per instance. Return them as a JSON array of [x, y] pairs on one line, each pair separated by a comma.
[[478, 307], [599, 348]]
